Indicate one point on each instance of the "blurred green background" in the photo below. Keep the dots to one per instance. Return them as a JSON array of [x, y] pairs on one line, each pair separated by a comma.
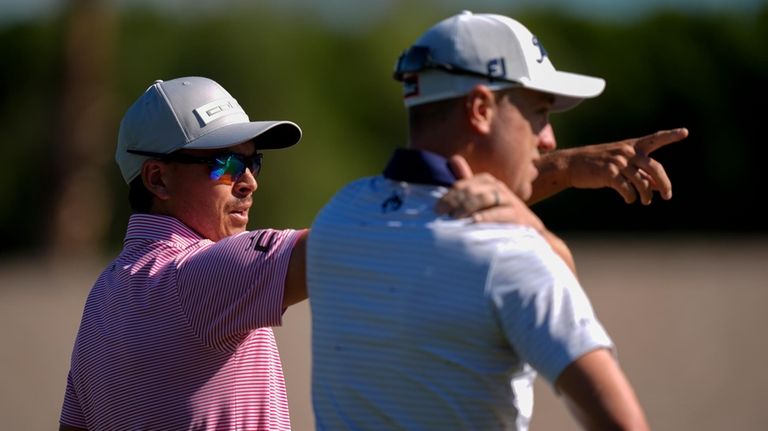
[[68, 74]]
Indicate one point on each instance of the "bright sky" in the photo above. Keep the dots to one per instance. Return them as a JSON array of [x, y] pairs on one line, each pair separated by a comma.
[[353, 13]]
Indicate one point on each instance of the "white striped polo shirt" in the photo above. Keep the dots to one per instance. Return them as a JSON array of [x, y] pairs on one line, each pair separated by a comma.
[[427, 323], [176, 333]]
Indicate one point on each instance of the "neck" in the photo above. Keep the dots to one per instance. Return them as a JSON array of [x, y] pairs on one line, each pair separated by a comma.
[[439, 128]]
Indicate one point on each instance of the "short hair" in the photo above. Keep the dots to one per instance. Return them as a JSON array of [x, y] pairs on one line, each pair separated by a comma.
[[428, 114], [139, 197]]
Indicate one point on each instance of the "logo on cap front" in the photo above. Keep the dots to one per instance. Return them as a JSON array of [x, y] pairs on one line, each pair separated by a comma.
[[217, 109]]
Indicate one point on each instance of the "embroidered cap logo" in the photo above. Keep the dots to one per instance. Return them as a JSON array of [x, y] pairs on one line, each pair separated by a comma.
[[217, 109], [542, 51], [497, 68]]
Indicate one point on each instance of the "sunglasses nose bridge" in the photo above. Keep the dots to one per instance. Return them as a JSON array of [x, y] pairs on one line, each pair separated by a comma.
[[246, 177]]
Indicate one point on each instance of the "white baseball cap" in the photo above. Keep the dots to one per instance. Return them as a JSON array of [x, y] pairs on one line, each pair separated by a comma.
[[193, 113], [468, 49]]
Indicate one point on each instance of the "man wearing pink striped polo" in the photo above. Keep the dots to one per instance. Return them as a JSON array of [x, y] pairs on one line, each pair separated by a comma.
[[176, 332]]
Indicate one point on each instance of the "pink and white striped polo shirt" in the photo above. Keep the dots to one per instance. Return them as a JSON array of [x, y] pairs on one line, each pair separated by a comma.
[[176, 333]]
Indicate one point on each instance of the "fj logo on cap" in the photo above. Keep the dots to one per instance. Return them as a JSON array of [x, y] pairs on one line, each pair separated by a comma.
[[497, 68], [217, 109], [542, 51]]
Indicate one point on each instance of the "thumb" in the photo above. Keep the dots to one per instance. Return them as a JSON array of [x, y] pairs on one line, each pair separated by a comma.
[[459, 166]]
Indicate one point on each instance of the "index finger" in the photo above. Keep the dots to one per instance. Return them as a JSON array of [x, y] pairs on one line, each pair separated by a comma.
[[651, 143], [459, 166]]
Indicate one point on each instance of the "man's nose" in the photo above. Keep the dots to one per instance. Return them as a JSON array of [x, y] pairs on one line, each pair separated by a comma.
[[547, 141], [246, 184]]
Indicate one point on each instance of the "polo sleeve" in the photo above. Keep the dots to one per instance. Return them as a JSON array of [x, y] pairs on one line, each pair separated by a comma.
[[544, 312], [71, 411], [235, 285]]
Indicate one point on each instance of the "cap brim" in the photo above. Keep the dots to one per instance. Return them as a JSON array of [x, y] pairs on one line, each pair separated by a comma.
[[569, 89], [266, 135]]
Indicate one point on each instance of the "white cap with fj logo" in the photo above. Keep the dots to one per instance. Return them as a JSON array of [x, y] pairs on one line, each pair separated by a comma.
[[193, 113], [469, 49]]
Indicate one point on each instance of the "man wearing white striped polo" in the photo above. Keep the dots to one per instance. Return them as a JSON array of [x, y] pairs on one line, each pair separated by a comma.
[[421, 322]]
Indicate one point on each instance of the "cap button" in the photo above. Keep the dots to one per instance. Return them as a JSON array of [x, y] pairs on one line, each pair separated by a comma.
[[158, 81], [466, 12]]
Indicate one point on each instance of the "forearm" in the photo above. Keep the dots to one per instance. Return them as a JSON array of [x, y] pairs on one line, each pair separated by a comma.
[[599, 395], [553, 176]]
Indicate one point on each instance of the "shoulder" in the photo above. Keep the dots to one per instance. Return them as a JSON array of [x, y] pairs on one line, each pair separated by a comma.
[[506, 254], [366, 198], [500, 241], [520, 258]]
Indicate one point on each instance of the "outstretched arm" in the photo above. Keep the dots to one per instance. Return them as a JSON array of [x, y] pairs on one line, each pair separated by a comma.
[[625, 166]]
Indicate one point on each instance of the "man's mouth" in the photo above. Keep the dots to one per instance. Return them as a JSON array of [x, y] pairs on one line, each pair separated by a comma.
[[241, 212]]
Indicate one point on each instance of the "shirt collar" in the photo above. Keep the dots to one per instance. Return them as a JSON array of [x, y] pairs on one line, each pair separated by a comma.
[[160, 228], [419, 166]]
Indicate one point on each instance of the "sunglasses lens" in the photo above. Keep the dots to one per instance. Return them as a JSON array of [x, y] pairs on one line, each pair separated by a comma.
[[227, 168]]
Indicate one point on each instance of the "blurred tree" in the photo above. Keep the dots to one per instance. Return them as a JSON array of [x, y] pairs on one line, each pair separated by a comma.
[[81, 208], [666, 70]]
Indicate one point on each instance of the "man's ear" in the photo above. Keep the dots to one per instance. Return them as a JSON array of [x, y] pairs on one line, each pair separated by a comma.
[[154, 176], [480, 109]]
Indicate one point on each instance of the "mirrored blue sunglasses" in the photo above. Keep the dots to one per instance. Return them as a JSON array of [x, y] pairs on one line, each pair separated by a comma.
[[228, 167]]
